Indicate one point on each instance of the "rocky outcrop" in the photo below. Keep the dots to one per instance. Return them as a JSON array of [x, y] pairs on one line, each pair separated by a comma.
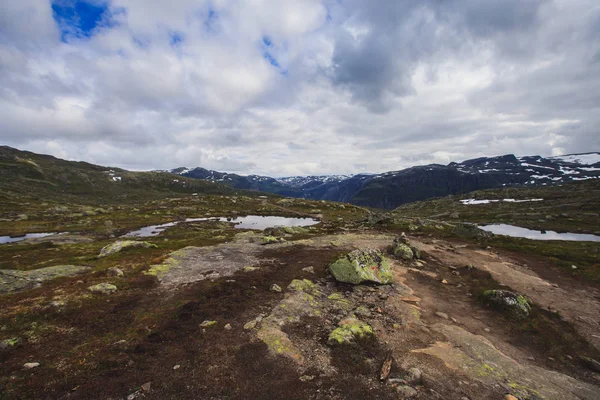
[[14, 280], [477, 358], [123, 245], [362, 266]]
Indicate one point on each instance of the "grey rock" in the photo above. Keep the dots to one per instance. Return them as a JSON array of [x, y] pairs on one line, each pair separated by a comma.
[[406, 392], [275, 288], [114, 271], [31, 365], [103, 288], [414, 376], [517, 304], [441, 315]]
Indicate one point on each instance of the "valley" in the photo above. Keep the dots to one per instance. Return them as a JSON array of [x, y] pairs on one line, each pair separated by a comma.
[[203, 307]]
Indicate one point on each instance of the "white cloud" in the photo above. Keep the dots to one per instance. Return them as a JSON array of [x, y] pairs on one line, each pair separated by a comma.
[[355, 87]]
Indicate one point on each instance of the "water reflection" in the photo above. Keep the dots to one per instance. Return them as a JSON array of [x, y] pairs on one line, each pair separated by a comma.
[[516, 231], [248, 222]]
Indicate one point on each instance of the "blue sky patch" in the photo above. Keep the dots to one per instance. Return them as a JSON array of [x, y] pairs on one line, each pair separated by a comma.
[[272, 60], [78, 18], [176, 38]]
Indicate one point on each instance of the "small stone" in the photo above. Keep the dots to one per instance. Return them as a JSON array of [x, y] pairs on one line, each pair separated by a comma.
[[207, 323], [592, 364], [510, 397], [31, 365], [228, 327], [114, 271], [454, 320], [307, 378], [146, 386], [414, 376], [275, 288], [310, 270], [362, 311], [573, 266], [103, 288], [442, 315], [406, 391], [487, 330], [177, 366], [445, 282]]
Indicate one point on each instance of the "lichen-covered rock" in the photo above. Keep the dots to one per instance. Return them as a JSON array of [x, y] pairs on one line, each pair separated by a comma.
[[207, 323], [295, 230], [416, 252], [123, 245], [271, 240], [304, 285], [362, 266], [402, 249], [275, 288], [515, 303], [350, 330], [103, 288]]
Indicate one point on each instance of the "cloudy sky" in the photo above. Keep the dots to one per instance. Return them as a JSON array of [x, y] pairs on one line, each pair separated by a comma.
[[288, 87]]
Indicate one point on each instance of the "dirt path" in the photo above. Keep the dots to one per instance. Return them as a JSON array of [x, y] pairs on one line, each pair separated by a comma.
[[578, 306]]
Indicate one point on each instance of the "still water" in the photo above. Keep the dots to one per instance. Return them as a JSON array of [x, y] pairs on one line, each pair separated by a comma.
[[516, 231]]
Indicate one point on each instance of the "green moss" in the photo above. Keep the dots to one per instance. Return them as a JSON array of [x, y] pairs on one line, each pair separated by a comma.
[[350, 330], [360, 266], [10, 342], [270, 240], [124, 245], [302, 285], [278, 342], [208, 324]]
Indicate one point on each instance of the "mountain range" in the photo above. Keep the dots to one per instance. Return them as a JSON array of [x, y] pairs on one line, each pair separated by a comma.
[[391, 189]]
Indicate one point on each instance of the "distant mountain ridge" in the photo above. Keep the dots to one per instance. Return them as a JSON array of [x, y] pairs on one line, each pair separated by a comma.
[[392, 189]]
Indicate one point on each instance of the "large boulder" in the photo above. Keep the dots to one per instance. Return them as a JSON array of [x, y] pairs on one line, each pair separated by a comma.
[[362, 266], [517, 304], [123, 245]]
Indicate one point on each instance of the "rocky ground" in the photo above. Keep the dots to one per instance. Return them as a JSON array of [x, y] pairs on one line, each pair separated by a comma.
[[205, 311]]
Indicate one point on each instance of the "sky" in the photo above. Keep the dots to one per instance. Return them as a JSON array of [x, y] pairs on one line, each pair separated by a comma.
[[287, 87]]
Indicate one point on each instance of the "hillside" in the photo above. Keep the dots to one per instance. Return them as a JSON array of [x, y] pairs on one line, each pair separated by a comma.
[[391, 189], [31, 177]]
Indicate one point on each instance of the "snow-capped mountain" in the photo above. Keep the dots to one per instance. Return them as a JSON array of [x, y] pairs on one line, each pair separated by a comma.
[[391, 189]]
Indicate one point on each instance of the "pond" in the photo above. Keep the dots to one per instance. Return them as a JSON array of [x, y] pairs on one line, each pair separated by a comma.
[[13, 239], [248, 222], [516, 231]]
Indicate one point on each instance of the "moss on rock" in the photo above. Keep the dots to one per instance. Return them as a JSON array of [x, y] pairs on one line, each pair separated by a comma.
[[362, 266], [103, 288], [350, 330], [123, 245]]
